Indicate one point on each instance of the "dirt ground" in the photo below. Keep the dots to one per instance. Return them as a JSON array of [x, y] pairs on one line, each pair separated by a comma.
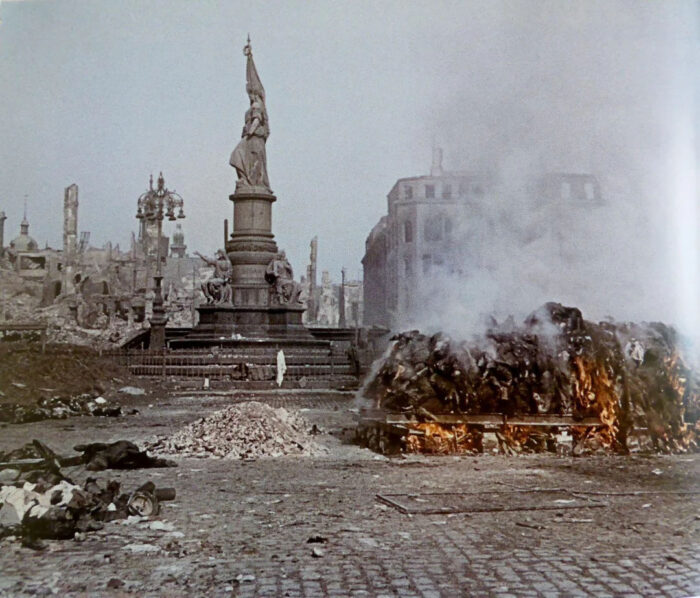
[[313, 526], [27, 374]]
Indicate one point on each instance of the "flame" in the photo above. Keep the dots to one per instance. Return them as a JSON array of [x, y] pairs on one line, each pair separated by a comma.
[[443, 439], [596, 394], [524, 439]]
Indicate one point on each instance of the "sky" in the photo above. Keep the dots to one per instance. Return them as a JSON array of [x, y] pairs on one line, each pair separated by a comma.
[[104, 93]]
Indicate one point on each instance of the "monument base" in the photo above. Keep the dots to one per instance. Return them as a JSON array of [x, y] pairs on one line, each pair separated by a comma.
[[214, 321], [231, 323]]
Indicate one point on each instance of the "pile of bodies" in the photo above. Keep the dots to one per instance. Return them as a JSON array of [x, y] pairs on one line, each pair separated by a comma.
[[630, 376], [245, 431], [37, 501]]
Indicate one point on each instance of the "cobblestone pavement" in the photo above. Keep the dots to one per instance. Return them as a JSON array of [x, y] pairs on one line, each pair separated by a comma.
[[243, 528]]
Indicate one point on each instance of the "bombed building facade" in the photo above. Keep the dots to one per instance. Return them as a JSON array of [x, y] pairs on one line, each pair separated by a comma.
[[331, 304], [443, 223], [92, 288]]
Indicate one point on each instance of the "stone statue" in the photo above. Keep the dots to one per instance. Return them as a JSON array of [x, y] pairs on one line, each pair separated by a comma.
[[217, 289], [249, 157], [286, 291]]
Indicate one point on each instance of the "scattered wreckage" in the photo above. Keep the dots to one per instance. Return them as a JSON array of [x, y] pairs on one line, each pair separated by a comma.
[[37, 501], [554, 379]]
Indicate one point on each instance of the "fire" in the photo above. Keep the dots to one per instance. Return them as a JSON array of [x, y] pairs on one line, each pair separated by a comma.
[[515, 439], [617, 386], [442, 439], [596, 393]]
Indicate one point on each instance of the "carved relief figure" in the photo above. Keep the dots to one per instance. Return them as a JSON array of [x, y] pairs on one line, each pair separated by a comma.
[[280, 275], [249, 157], [217, 290]]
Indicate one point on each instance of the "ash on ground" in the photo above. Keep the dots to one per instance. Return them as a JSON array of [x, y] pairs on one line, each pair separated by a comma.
[[246, 431]]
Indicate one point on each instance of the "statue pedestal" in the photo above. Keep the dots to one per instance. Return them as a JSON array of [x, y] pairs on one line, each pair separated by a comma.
[[214, 321], [251, 248], [254, 313]]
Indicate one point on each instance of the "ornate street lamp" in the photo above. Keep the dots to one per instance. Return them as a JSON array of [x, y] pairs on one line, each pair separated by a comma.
[[153, 206]]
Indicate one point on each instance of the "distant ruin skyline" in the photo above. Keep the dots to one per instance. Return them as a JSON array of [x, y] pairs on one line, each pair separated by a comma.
[[106, 94]]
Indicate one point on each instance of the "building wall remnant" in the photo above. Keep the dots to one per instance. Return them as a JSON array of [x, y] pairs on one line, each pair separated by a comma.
[[2, 233], [323, 302], [70, 237]]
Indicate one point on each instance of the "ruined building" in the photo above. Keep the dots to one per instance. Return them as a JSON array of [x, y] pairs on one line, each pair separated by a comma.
[[24, 254], [94, 287], [331, 304], [178, 247], [445, 221]]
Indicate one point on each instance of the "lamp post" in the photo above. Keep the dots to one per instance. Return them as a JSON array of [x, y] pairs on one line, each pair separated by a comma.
[[153, 206]]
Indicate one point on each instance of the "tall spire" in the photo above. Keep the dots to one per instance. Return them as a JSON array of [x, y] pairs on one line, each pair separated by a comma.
[[24, 225]]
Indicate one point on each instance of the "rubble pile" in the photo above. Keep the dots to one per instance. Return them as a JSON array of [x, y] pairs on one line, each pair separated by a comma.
[[21, 297], [108, 334], [73, 320], [245, 431], [631, 377]]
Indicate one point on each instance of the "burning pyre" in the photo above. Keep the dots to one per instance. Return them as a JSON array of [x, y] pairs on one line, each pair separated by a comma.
[[612, 386]]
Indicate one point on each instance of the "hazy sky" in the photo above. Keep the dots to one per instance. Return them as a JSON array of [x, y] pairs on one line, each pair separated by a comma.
[[103, 93]]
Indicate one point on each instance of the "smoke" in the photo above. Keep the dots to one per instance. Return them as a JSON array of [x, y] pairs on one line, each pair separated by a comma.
[[605, 88]]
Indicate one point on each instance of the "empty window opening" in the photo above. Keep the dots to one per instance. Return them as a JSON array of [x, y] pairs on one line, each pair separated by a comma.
[[566, 190]]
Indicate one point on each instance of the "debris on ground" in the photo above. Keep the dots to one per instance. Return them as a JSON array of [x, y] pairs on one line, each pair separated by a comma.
[[630, 378], [132, 390], [58, 408], [39, 502], [62, 510], [61, 382], [245, 431]]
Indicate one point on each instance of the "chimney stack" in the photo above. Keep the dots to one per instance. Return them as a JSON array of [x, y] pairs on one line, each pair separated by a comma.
[[436, 168]]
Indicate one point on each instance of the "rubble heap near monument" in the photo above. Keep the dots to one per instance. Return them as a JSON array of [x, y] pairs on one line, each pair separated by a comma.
[[626, 376], [246, 431]]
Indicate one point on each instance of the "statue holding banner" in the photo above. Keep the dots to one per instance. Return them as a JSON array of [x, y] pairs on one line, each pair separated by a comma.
[[249, 157]]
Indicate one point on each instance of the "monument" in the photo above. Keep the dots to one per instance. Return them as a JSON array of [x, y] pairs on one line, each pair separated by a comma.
[[258, 296]]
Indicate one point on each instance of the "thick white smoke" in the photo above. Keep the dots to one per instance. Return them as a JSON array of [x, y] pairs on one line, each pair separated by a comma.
[[606, 88]]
